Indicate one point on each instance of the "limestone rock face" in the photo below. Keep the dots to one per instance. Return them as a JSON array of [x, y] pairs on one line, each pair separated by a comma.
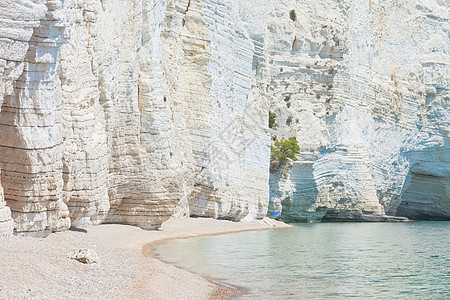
[[6, 222], [364, 87], [30, 117], [137, 111], [128, 111]]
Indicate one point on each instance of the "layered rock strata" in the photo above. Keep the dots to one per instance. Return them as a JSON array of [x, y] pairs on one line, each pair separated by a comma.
[[364, 87], [128, 112], [30, 125], [140, 110]]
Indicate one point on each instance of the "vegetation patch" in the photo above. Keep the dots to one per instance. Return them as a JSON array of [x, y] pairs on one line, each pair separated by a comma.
[[283, 153], [292, 15], [289, 120], [272, 119]]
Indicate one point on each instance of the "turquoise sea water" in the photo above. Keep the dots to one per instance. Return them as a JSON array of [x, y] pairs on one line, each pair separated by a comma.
[[325, 260]]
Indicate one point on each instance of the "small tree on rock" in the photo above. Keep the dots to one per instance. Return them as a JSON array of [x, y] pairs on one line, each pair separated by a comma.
[[292, 15], [283, 152], [272, 119]]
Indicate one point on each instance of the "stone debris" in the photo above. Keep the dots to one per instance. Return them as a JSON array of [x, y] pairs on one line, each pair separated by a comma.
[[85, 256]]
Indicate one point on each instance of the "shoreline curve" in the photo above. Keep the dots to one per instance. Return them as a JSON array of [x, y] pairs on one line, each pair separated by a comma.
[[40, 268]]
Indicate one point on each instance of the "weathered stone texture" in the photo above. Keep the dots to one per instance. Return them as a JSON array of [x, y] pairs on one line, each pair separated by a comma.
[[135, 111], [365, 85], [128, 111], [30, 126]]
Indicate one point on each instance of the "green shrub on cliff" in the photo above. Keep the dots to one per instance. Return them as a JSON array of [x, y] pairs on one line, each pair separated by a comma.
[[272, 119], [292, 15], [283, 152], [289, 120]]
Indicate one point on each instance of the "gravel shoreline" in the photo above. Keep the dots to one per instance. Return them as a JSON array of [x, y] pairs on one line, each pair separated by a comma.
[[33, 268]]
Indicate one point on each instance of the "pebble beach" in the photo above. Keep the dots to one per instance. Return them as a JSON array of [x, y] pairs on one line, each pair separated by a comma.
[[40, 268]]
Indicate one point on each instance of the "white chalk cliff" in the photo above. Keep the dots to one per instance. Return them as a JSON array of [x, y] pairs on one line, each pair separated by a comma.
[[364, 86], [135, 111]]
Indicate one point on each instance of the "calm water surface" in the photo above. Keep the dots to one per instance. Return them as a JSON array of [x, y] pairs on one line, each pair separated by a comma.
[[325, 260]]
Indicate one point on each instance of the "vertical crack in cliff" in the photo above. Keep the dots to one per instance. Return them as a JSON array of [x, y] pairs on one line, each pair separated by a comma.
[[183, 22], [187, 8]]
